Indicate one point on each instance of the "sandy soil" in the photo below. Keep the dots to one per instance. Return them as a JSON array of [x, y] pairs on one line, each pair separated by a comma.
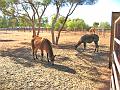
[[73, 69]]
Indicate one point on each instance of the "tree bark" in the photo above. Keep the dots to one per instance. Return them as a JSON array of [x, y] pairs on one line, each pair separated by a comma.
[[39, 19], [33, 27], [53, 25], [59, 31], [71, 10]]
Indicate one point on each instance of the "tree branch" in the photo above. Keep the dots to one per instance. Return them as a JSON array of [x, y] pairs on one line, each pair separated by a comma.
[[73, 9]]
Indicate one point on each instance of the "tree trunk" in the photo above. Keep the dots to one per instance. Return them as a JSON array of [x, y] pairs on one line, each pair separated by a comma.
[[33, 27], [53, 25], [40, 18], [69, 13], [52, 33], [59, 31], [39, 26]]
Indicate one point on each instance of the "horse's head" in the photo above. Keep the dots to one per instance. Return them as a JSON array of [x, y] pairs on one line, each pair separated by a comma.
[[52, 59]]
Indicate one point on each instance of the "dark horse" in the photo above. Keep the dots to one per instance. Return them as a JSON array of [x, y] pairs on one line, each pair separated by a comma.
[[42, 44], [89, 38]]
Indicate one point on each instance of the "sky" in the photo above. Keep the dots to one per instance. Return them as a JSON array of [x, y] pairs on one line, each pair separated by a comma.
[[100, 12]]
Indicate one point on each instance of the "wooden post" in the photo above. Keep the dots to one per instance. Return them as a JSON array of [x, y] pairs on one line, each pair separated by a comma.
[[115, 15]]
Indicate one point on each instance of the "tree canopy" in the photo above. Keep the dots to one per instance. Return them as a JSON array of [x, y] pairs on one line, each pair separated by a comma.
[[31, 13]]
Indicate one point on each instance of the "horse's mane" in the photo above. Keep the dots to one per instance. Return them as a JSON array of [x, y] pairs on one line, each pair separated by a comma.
[[49, 45]]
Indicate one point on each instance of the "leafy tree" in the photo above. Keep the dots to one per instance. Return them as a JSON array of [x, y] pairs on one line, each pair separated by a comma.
[[59, 22], [75, 24], [13, 8], [4, 22], [87, 27], [59, 4], [95, 24], [12, 22], [79, 24], [105, 25], [24, 21], [72, 4], [70, 25], [44, 21], [35, 6]]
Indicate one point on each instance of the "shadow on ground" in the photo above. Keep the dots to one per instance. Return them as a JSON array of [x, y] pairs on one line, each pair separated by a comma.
[[95, 57], [23, 56], [68, 46], [94, 60], [5, 32], [7, 40]]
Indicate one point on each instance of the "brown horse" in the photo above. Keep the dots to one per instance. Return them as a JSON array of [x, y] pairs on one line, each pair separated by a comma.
[[42, 44], [92, 30]]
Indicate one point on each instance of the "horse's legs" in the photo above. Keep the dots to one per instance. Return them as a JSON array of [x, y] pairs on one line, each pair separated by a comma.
[[47, 57], [42, 54], [84, 45], [96, 46], [33, 48], [35, 53], [79, 42]]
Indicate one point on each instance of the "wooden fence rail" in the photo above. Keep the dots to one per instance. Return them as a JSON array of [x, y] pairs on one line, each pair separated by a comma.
[[115, 71]]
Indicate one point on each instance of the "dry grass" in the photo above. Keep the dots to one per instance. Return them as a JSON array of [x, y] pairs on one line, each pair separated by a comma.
[[73, 70]]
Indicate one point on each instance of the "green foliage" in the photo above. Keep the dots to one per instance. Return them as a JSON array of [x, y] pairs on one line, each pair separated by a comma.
[[59, 22], [48, 25], [44, 21], [105, 25], [95, 24], [13, 22], [24, 21], [75, 24], [80, 2], [70, 25], [45, 2], [9, 9], [2, 4], [3, 22]]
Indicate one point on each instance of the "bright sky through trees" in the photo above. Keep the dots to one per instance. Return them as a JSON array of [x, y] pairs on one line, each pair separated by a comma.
[[100, 12]]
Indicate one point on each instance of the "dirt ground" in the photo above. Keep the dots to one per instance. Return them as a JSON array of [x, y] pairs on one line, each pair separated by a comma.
[[73, 69]]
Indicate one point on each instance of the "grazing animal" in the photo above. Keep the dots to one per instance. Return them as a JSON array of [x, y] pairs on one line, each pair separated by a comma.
[[89, 38], [42, 44]]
